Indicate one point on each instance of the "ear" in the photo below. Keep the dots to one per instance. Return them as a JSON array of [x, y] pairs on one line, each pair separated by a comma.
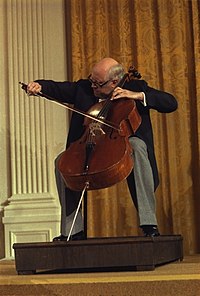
[[114, 83]]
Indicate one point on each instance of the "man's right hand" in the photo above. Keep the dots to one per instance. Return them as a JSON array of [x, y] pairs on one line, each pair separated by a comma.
[[33, 88]]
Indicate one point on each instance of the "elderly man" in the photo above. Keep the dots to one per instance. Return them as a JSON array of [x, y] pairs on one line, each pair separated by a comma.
[[84, 93]]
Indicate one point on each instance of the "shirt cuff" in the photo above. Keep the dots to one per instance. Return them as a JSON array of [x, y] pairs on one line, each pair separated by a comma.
[[144, 102]]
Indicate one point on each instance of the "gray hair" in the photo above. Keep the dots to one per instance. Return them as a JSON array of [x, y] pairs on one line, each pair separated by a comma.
[[116, 71]]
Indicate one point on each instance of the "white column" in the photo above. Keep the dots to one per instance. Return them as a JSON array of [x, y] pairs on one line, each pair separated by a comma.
[[34, 50]]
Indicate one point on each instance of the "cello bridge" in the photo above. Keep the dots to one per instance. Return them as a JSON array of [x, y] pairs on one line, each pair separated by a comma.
[[96, 129]]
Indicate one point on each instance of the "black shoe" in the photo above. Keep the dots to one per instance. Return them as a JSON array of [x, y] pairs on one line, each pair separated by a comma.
[[60, 238], [77, 236], [150, 230]]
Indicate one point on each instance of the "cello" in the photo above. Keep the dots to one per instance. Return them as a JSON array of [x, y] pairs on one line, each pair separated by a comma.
[[102, 157]]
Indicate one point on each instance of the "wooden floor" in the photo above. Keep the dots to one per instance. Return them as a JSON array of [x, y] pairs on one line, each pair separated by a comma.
[[177, 278]]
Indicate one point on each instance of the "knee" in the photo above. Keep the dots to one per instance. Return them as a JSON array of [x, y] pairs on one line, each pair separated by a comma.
[[138, 145], [57, 160]]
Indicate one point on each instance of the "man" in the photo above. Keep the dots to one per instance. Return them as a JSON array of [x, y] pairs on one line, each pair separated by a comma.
[[143, 181]]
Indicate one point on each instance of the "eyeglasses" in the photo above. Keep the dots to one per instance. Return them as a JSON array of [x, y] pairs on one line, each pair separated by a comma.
[[97, 84]]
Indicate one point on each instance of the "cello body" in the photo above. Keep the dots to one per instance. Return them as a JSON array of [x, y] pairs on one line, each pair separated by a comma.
[[109, 159]]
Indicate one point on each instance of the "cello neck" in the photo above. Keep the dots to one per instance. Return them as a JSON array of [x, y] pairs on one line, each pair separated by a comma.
[[106, 107]]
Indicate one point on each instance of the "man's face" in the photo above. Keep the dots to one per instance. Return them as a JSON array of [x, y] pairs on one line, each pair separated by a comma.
[[101, 87]]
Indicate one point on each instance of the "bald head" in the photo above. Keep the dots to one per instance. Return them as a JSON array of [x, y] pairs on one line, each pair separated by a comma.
[[101, 69], [104, 65]]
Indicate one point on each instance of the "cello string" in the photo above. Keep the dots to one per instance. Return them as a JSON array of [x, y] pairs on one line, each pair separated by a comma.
[[104, 111]]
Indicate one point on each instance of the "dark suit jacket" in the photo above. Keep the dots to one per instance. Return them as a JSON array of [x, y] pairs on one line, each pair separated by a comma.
[[80, 94]]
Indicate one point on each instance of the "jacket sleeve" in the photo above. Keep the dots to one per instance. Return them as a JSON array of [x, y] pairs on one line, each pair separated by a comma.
[[159, 100], [60, 91], [156, 99]]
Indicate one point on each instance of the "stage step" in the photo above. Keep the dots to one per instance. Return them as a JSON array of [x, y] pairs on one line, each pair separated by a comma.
[[98, 254]]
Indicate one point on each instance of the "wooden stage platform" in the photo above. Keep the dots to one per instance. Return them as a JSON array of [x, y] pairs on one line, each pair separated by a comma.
[[179, 278], [98, 254]]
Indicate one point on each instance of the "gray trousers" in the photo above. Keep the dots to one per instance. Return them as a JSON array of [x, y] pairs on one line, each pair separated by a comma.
[[141, 188]]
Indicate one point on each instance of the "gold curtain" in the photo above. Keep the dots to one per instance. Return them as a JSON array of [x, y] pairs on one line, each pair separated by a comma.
[[162, 39]]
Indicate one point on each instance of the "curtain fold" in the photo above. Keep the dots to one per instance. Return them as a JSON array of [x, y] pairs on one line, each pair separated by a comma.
[[162, 39]]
